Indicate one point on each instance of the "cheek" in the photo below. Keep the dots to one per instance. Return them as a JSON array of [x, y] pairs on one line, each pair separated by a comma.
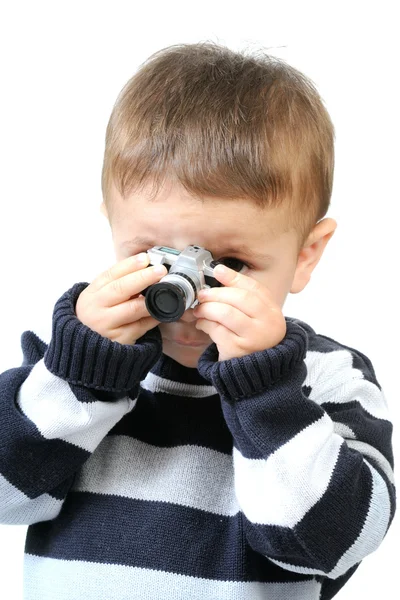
[[278, 283]]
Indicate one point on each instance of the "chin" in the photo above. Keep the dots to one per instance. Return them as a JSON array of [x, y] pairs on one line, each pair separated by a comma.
[[184, 355]]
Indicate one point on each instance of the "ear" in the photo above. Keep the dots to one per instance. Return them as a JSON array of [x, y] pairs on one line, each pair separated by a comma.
[[311, 253], [103, 210]]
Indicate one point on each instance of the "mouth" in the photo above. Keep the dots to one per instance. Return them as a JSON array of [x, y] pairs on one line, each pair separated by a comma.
[[186, 340], [193, 344], [189, 336]]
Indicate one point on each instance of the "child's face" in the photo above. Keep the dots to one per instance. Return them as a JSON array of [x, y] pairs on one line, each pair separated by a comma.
[[176, 220]]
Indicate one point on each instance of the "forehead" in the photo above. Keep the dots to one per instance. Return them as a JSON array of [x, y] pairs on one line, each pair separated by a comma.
[[174, 214]]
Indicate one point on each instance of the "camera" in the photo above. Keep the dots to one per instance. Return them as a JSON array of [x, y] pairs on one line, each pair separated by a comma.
[[189, 272]]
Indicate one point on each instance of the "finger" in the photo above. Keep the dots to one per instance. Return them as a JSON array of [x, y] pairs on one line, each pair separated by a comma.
[[129, 334], [131, 311], [122, 289], [245, 300], [219, 334], [230, 317], [230, 278], [120, 269], [129, 287]]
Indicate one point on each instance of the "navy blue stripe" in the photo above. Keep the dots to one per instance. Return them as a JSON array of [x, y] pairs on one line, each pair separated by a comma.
[[318, 534], [81, 356], [330, 587], [165, 420], [28, 461], [172, 370], [243, 377], [153, 535], [88, 395], [263, 423], [347, 500], [369, 429], [33, 348]]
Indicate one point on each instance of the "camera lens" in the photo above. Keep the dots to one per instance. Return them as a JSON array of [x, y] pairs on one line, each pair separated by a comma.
[[165, 301]]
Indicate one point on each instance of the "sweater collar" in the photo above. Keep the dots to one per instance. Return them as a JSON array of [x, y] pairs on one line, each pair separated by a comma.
[[170, 376]]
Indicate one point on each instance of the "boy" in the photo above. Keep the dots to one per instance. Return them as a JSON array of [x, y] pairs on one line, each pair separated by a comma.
[[233, 453]]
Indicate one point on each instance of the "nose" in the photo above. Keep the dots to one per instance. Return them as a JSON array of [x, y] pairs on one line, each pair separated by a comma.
[[188, 316]]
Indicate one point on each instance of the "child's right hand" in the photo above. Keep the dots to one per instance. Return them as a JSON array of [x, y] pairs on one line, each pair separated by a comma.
[[111, 305]]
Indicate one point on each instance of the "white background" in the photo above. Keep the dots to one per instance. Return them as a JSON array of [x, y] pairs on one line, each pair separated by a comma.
[[62, 67]]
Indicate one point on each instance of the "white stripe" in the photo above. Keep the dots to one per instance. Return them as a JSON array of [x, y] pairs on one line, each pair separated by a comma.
[[333, 378], [373, 453], [343, 430], [368, 541], [17, 509], [185, 475], [48, 578], [50, 404], [374, 528], [283, 488], [364, 448], [154, 383]]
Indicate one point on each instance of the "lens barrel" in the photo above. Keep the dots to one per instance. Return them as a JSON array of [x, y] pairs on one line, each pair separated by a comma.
[[165, 301]]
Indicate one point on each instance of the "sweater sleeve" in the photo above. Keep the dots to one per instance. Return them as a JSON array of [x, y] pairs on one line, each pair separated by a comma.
[[58, 406], [313, 462]]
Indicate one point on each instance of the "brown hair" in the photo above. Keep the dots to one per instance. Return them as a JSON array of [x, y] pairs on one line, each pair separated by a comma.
[[223, 124]]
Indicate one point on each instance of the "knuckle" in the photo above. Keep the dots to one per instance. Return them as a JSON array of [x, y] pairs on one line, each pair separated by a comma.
[[149, 273], [108, 275], [228, 312], [144, 273], [133, 307], [248, 296], [117, 286], [136, 306]]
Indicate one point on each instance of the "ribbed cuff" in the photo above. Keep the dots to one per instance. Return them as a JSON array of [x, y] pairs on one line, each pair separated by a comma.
[[82, 356], [242, 377]]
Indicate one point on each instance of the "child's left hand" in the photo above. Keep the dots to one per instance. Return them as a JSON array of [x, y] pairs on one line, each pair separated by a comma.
[[241, 317]]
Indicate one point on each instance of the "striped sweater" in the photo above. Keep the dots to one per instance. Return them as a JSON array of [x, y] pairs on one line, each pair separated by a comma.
[[263, 477]]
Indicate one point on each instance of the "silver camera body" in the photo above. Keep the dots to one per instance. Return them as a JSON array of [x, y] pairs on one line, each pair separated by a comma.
[[189, 272]]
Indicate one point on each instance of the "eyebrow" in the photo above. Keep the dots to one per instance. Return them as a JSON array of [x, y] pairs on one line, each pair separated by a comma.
[[240, 248]]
